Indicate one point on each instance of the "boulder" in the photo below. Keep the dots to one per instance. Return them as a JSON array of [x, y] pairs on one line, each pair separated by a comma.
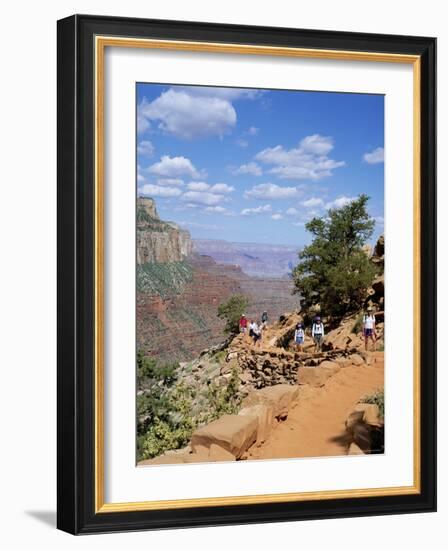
[[219, 454], [317, 376], [341, 361], [265, 416], [366, 356], [378, 286], [379, 248], [234, 433], [355, 417], [278, 397], [356, 359], [370, 413]]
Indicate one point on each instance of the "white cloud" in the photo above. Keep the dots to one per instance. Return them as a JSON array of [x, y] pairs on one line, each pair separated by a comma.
[[316, 144], [145, 148], [253, 131], [229, 94], [186, 114], [276, 216], [292, 212], [268, 191], [140, 177], [172, 167], [379, 220], [216, 209], [340, 202], [242, 143], [313, 202], [198, 186], [251, 168], [202, 197], [258, 210], [142, 123], [158, 191], [374, 157], [170, 181], [307, 161], [222, 188], [218, 188]]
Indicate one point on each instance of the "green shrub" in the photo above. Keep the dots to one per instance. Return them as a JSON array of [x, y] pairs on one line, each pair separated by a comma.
[[222, 399], [231, 311], [220, 355], [169, 418], [376, 398], [149, 370]]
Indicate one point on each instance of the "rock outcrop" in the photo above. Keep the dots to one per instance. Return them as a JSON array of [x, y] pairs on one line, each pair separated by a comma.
[[376, 292], [365, 430], [231, 436], [159, 241]]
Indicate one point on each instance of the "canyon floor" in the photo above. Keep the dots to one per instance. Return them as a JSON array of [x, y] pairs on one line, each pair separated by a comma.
[[315, 426]]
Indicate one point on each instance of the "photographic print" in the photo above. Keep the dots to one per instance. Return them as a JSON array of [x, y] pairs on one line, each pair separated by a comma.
[[228, 214], [260, 274]]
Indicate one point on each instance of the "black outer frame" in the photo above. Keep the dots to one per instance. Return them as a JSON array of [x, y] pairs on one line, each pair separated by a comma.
[[75, 402]]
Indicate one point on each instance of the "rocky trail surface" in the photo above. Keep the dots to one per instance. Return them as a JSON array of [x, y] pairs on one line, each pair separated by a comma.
[[316, 423]]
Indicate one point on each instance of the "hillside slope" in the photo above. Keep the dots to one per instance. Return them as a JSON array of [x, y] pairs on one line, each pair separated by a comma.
[[178, 290]]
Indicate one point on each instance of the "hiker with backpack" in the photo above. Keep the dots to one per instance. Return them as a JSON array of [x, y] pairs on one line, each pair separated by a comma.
[[264, 319], [299, 336], [317, 332], [368, 327]]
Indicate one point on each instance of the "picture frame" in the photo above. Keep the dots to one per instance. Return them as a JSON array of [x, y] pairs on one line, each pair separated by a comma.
[[82, 42]]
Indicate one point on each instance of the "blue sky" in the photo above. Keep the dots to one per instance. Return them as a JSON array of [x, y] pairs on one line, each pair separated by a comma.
[[250, 165]]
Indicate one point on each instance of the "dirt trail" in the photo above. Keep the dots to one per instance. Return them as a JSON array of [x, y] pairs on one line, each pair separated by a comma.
[[320, 414]]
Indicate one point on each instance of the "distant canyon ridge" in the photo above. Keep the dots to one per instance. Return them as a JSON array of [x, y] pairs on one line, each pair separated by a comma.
[[181, 282], [255, 259]]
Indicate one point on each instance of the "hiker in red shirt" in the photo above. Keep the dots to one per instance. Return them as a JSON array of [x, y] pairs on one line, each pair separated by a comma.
[[243, 324]]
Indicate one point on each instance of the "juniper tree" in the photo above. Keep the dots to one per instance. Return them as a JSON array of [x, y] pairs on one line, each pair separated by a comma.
[[334, 270], [231, 311]]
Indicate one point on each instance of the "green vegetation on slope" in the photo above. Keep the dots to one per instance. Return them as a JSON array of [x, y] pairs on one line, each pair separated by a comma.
[[169, 410], [231, 311], [163, 279]]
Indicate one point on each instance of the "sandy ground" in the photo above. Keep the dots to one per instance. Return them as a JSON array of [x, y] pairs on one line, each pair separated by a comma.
[[319, 415]]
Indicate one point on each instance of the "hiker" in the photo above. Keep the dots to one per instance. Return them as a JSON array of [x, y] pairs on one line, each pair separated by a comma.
[[243, 324], [251, 328], [256, 334], [299, 336], [368, 326], [317, 332], [264, 319]]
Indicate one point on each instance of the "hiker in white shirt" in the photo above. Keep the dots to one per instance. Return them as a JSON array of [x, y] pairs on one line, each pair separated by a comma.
[[317, 332], [299, 336], [256, 334], [368, 326]]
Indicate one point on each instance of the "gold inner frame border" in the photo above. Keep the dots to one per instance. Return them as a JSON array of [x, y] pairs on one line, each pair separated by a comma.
[[101, 42]]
